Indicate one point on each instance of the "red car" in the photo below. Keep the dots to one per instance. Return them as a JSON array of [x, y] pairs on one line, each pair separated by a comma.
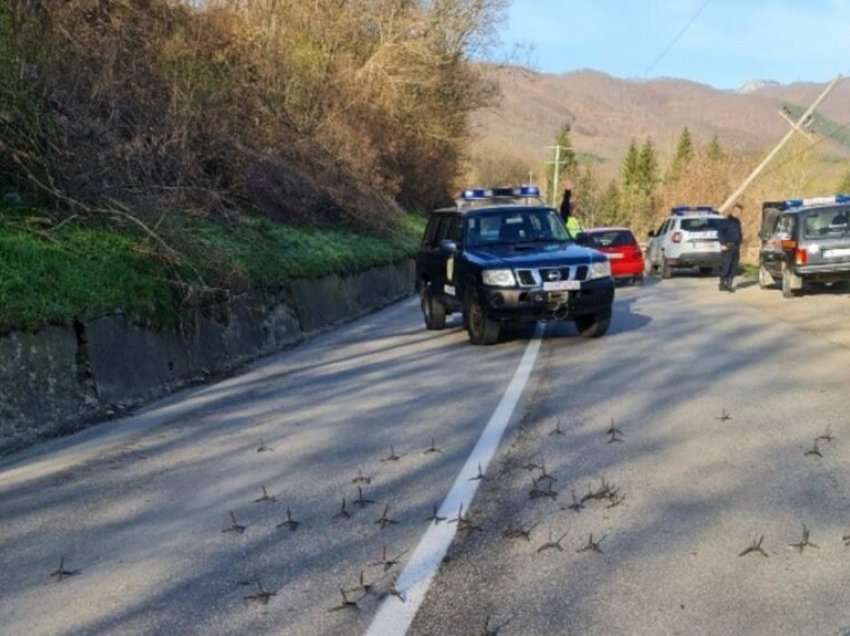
[[622, 249]]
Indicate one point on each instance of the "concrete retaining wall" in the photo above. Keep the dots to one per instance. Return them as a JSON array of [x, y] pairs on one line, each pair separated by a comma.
[[61, 379]]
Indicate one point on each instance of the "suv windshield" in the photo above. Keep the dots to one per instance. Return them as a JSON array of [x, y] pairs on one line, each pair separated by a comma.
[[608, 238], [514, 226], [829, 223], [702, 224]]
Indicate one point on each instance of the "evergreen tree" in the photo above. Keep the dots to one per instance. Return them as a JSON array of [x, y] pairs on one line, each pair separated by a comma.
[[630, 166], [587, 196], [647, 168], [568, 161], [715, 151], [609, 207], [683, 156], [844, 186]]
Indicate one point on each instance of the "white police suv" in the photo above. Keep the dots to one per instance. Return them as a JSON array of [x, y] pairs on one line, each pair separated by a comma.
[[687, 238]]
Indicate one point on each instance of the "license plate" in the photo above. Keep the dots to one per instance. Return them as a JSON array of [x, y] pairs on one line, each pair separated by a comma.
[[562, 285], [614, 256], [836, 253]]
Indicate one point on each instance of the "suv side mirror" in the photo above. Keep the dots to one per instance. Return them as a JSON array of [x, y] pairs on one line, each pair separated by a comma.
[[650, 234], [447, 245]]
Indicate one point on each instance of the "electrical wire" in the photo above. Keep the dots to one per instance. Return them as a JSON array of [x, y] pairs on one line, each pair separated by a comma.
[[679, 35]]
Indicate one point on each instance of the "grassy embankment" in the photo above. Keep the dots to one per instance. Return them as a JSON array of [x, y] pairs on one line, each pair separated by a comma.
[[79, 271]]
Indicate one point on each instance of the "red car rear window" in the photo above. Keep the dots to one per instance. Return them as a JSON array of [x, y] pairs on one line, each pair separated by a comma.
[[608, 238]]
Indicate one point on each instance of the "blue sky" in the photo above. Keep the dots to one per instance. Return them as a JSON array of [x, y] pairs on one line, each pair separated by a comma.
[[731, 42]]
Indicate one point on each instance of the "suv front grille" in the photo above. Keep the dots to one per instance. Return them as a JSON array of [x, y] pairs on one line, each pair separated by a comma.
[[534, 277]]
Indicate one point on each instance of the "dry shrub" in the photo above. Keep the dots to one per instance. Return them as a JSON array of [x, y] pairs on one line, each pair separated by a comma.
[[307, 111]]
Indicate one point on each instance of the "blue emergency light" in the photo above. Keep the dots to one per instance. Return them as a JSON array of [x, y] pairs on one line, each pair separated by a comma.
[[474, 193], [679, 210], [799, 203], [477, 194]]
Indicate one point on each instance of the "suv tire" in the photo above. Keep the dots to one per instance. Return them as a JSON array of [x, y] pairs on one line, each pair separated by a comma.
[[594, 325], [666, 272], [433, 311], [482, 329], [766, 280], [787, 277]]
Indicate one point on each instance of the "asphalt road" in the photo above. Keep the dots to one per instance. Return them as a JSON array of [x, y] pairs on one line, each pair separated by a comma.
[[139, 506]]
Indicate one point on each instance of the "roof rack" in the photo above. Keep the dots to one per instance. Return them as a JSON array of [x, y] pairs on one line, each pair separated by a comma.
[[473, 196]]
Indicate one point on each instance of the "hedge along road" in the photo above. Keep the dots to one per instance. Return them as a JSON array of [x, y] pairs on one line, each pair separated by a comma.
[[140, 506]]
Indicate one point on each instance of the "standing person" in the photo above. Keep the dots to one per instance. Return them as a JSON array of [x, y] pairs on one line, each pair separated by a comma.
[[570, 221], [730, 237]]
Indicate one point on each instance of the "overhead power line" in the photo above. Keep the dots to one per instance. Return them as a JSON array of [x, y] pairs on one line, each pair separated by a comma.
[[678, 37]]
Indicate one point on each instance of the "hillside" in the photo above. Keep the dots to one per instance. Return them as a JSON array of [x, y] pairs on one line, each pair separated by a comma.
[[607, 112]]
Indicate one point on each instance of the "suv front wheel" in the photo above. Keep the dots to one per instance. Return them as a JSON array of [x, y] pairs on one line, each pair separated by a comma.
[[482, 329], [594, 325], [433, 311]]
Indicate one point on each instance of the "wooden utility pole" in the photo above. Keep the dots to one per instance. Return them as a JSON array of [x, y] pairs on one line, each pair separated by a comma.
[[795, 127], [556, 180]]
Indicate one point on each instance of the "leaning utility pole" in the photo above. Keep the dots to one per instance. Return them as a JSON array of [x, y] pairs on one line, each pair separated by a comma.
[[557, 163], [797, 126]]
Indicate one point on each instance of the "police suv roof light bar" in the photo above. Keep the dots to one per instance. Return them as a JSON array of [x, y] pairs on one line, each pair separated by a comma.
[[680, 210], [472, 195], [799, 203]]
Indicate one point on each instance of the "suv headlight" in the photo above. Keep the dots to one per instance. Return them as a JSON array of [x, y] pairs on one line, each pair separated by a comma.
[[498, 277], [601, 269]]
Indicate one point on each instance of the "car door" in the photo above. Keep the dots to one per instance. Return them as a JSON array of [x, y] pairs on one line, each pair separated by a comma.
[[445, 271], [655, 244], [825, 235], [427, 262]]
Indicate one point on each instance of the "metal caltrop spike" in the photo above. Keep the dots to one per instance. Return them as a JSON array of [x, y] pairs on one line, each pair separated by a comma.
[[266, 497], [804, 542], [593, 546], [235, 526], [755, 547], [60, 572], [343, 512], [384, 520], [432, 449], [346, 604], [552, 544], [290, 523], [480, 476], [435, 517], [361, 501], [262, 596]]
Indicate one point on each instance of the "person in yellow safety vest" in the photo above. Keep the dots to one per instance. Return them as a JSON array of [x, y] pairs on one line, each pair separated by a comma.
[[570, 221]]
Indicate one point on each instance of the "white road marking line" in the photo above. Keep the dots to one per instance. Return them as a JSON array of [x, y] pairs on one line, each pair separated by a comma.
[[394, 617]]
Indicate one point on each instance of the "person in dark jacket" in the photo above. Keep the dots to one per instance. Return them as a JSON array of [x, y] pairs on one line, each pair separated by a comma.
[[570, 221], [730, 237]]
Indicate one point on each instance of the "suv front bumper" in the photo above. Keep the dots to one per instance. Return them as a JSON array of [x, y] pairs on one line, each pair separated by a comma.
[[533, 304]]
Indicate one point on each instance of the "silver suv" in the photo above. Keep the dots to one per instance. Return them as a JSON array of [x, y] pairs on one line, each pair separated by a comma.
[[687, 238]]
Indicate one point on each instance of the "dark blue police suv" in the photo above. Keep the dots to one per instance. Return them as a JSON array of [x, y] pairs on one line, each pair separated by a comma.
[[501, 256]]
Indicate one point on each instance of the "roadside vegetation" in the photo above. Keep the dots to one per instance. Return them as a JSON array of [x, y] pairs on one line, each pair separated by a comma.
[[81, 270], [153, 149], [694, 172]]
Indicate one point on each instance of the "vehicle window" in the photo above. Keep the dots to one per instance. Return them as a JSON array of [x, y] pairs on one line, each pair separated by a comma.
[[454, 231], [702, 224], [611, 238], [514, 226], [784, 226], [443, 230], [828, 223], [430, 238]]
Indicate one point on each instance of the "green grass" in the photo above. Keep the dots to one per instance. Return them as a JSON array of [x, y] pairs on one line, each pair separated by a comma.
[[86, 270]]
